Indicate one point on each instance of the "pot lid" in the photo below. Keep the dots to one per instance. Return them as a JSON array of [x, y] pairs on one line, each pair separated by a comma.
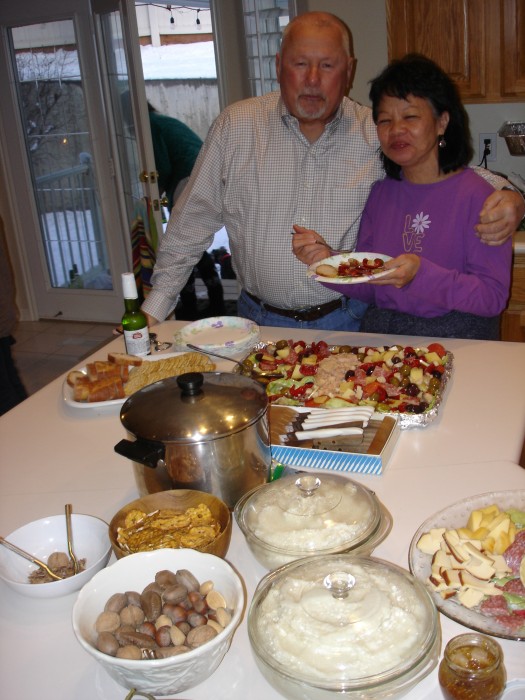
[[343, 619], [304, 513], [194, 407]]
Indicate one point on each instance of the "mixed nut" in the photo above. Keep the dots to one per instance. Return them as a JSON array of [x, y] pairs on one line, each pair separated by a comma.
[[172, 615]]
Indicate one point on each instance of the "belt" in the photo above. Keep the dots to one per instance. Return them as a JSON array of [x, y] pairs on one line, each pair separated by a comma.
[[312, 313]]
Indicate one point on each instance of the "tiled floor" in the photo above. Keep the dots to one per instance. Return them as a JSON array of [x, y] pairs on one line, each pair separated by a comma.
[[46, 349]]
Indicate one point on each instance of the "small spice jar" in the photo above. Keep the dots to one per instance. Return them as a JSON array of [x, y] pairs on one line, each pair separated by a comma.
[[472, 669]]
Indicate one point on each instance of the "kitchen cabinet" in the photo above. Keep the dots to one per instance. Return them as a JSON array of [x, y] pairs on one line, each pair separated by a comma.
[[513, 318], [477, 42]]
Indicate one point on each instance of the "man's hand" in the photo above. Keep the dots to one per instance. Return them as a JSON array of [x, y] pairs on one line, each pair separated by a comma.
[[308, 246], [402, 269], [500, 217]]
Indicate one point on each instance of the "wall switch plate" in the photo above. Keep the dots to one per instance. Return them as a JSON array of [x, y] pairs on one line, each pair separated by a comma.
[[493, 148]]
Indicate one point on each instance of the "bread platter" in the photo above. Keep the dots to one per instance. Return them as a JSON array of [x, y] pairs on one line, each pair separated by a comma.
[[153, 367]]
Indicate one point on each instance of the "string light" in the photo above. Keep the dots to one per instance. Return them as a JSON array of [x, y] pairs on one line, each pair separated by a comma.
[[197, 21]]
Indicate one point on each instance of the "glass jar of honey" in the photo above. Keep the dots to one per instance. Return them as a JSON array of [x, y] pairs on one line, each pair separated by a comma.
[[472, 669]]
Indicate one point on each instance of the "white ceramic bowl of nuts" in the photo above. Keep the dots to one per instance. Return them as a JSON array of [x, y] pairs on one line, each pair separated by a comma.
[[160, 621], [46, 539]]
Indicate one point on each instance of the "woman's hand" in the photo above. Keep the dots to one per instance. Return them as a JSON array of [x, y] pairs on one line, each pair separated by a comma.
[[500, 217], [402, 269], [308, 246]]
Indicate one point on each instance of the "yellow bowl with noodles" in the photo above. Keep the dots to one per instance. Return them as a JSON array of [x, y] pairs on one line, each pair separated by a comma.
[[178, 519]]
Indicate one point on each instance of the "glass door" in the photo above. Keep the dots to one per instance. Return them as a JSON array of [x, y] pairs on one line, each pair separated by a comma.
[[66, 177]]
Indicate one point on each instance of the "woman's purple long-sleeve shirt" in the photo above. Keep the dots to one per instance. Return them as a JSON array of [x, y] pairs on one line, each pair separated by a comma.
[[436, 222]]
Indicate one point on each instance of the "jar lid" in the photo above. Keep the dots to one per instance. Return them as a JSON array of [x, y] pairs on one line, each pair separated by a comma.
[[194, 407], [304, 514], [344, 622]]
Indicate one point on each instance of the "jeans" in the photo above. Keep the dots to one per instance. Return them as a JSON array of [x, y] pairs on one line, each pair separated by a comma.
[[347, 318]]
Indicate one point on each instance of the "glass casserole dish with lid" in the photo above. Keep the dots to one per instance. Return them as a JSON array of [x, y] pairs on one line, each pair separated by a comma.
[[305, 514], [343, 625]]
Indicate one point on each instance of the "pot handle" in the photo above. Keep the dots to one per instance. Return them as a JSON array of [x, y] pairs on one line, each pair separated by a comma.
[[151, 454]]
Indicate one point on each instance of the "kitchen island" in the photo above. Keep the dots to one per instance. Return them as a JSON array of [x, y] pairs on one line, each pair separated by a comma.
[[52, 454]]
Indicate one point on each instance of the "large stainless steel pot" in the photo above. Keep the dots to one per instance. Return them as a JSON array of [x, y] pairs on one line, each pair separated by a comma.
[[204, 431]]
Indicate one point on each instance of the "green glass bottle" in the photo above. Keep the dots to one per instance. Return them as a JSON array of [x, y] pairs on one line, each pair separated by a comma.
[[134, 322]]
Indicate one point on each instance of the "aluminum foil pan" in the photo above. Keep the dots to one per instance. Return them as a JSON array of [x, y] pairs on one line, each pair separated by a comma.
[[405, 420]]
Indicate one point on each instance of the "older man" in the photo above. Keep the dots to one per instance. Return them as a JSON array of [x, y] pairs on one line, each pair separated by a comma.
[[307, 155]]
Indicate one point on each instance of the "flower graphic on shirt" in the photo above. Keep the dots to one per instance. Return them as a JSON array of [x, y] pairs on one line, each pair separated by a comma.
[[420, 222]]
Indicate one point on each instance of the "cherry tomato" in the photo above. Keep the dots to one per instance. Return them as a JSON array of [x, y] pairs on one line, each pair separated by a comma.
[[438, 349]]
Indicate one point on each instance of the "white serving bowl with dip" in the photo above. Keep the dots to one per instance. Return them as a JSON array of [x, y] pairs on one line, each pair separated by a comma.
[[231, 336]]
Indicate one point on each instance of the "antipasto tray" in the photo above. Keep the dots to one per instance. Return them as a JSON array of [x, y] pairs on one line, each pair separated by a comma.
[[469, 554], [403, 381]]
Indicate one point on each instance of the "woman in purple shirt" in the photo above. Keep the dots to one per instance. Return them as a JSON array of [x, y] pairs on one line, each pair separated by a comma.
[[443, 281]]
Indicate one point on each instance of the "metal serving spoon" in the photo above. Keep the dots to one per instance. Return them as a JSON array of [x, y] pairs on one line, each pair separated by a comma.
[[255, 375], [76, 566], [31, 558]]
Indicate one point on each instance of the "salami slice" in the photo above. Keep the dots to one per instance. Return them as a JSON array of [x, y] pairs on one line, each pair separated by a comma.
[[515, 553], [514, 586], [494, 606]]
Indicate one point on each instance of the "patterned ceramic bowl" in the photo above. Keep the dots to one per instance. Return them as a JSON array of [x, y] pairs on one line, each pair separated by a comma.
[[231, 336], [173, 674]]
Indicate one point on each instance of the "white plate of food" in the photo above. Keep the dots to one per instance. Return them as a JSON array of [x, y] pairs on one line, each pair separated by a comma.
[[344, 269], [109, 382], [497, 615]]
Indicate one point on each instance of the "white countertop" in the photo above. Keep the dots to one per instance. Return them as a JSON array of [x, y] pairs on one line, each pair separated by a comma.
[[52, 454]]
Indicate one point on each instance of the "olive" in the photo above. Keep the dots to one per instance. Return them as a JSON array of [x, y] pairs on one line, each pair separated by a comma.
[[281, 344], [396, 360], [412, 390], [434, 385], [417, 408], [346, 349], [395, 381], [404, 370], [436, 374], [247, 365], [259, 356], [370, 371], [405, 381], [361, 356], [349, 374]]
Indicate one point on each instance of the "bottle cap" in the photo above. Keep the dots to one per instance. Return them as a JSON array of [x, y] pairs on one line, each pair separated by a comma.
[[129, 286]]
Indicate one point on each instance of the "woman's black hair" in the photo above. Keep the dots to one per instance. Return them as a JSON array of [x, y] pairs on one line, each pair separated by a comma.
[[417, 75]]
